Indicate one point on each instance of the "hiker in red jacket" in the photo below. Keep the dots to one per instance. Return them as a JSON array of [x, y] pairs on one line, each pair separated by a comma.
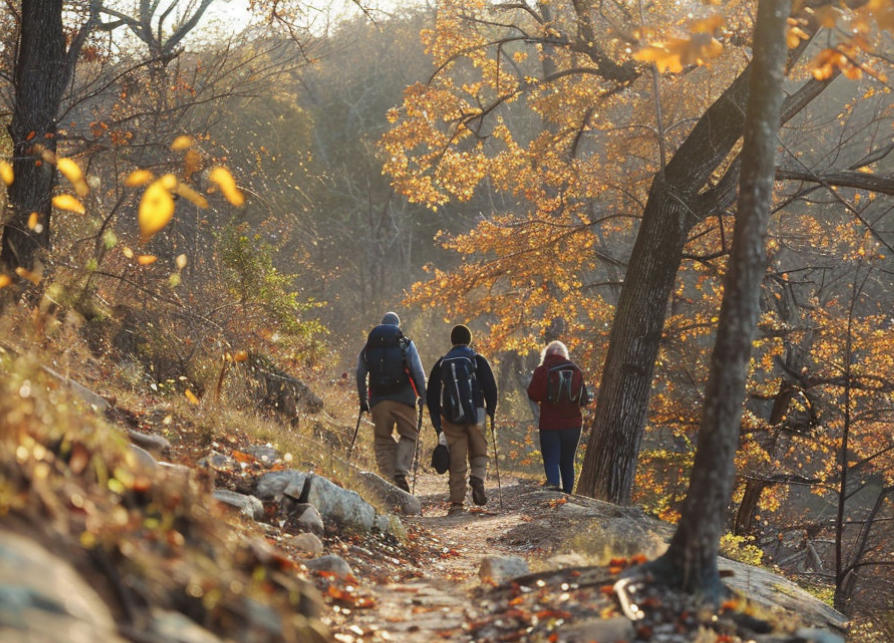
[[558, 385]]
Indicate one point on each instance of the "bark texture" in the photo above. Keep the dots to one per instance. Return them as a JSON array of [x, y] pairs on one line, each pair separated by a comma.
[[40, 78], [691, 560]]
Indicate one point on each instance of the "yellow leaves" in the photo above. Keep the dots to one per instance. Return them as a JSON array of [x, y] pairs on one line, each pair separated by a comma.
[[828, 61], [156, 208], [191, 396], [137, 178], [71, 171], [6, 173], [182, 143], [224, 180], [5, 280], [191, 195], [68, 202], [794, 35], [240, 356], [145, 260], [678, 53]]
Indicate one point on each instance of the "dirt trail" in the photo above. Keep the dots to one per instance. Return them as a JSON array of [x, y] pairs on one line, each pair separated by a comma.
[[438, 603]]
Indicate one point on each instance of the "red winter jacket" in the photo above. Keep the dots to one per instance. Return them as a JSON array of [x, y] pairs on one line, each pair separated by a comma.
[[563, 414]]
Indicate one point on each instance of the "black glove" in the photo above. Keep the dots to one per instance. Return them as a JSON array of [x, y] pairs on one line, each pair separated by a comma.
[[364, 406]]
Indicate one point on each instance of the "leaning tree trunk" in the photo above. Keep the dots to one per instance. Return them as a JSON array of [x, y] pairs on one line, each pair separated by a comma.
[[676, 203], [40, 77], [672, 209], [691, 560]]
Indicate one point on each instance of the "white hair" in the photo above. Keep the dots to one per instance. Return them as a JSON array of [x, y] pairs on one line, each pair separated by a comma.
[[555, 347]]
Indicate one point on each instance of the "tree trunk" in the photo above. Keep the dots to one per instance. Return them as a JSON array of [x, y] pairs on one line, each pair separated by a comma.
[[40, 77], [671, 211], [691, 560]]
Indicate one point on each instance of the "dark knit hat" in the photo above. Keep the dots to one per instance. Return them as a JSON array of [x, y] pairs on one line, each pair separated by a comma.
[[391, 318], [460, 335]]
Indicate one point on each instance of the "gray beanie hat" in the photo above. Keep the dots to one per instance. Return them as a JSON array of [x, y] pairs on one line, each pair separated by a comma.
[[391, 318]]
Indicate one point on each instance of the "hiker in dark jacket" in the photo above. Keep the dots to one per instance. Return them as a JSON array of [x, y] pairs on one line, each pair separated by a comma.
[[461, 392], [558, 385], [396, 382]]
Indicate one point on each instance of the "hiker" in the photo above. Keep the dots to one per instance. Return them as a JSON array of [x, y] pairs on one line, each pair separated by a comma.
[[558, 385], [396, 385], [461, 392]]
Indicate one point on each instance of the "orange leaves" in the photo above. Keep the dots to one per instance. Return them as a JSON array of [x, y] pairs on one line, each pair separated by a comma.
[[68, 202], [828, 61], [675, 54], [224, 180]]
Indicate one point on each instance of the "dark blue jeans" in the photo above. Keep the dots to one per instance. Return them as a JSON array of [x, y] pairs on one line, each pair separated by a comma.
[[558, 449]]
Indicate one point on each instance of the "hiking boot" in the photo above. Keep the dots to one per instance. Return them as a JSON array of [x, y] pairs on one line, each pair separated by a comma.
[[455, 508], [478, 495], [400, 481]]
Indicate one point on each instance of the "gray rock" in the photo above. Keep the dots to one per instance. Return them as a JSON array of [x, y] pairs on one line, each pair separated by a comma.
[[177, 628], [342, 506], [265, 453], [394, 497], [767, 588], [175, 469], [561, 561], [308, 543], [306, 518], [392, 525], [41, 596], [608, 630], [216, 460], [149, 441], [500, 569], [144, 458], [816, 635], [271, 485], [331, 563], [247, 505]]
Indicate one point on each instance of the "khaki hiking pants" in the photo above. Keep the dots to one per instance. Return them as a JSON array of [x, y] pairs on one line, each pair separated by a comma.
[[394, 457], [465, 442]]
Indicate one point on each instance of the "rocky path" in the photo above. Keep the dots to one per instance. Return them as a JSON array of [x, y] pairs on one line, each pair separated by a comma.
[[439, 603]]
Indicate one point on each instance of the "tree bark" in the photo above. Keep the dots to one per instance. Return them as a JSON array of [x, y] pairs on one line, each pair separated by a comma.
[[40, 77], [691, 560]]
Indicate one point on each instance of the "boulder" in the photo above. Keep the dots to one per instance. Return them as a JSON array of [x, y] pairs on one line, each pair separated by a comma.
[[247, 505], [42, 595], [166, 625], [144, 458], [308, 543], [265, 453], [501, 569], [216, 460], [304, 517], [395, 498], [331, 563], [149, 441]]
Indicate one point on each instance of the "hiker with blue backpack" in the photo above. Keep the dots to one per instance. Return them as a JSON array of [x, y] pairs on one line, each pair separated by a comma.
[[558, 385], [462, 392], [396, 385]]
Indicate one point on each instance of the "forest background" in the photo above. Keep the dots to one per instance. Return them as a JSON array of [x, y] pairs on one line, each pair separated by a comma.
[[491, 164]]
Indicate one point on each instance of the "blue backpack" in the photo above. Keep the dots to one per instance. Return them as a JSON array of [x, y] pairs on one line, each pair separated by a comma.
[[459, 388], [385, 357]]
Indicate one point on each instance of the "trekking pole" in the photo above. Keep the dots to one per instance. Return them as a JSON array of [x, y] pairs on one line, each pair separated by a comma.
[[493, 433], [354, 438], [416, 456]]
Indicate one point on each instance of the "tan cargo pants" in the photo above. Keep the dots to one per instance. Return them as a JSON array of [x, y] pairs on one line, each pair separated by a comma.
[[394, 456], [466, 442]]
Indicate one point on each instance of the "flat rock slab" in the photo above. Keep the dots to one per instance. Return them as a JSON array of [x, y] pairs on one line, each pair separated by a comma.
[[247, 505], [393, 497], [42, 596]]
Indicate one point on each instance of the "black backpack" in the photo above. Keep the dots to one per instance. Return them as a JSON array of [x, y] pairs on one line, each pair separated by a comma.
[[385, 357], [565, 384], [459, 388]]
